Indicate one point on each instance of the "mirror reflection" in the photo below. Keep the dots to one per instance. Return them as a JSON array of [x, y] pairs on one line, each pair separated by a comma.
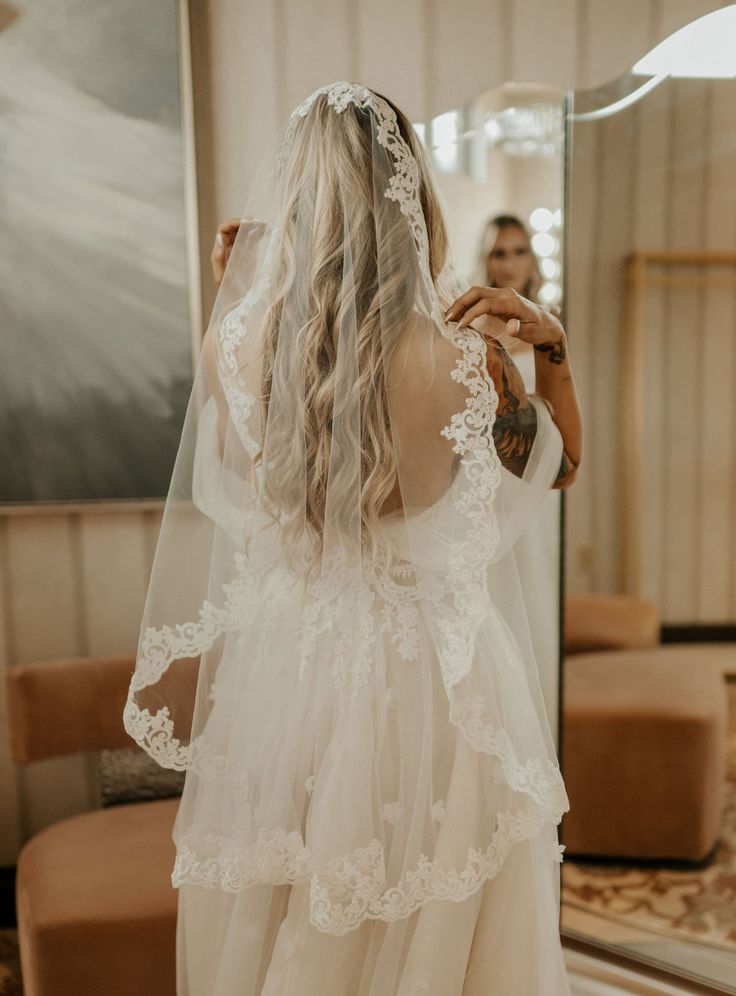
[[649, 718]]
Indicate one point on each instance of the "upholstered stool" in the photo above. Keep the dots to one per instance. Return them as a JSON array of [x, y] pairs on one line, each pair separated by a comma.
[[644, 752], [599, 621], [95, 905]]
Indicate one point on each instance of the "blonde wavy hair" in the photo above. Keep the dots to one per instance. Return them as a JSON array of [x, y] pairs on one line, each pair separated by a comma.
[[339, 148]]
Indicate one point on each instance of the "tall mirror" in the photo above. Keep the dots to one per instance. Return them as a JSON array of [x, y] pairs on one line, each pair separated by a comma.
[[648, 727], [499, 162]]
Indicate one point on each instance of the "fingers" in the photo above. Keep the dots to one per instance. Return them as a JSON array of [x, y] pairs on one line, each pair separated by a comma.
[[501, 301], [226, 233], [505, 307], [464, 301], [229, 226], [483, 307], [225, 237]]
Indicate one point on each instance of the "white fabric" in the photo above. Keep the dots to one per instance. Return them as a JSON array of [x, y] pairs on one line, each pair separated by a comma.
[[335, 645], [538, 551]]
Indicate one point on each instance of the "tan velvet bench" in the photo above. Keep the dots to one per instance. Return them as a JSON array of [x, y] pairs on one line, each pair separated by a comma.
[[644, 735], [95, 905]]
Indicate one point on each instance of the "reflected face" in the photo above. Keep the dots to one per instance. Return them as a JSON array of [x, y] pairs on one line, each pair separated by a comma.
[[509, 263]]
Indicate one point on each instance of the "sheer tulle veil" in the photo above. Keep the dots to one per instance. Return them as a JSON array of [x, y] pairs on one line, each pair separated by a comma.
[[335, 644]]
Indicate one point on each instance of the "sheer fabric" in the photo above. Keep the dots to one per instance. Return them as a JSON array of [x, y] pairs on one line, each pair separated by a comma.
[[335, 645]]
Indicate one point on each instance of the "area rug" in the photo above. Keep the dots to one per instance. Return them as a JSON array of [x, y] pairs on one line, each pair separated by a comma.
[[10, 981]]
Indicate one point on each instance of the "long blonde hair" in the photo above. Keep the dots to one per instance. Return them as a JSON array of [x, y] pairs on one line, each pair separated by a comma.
[[341, 146]]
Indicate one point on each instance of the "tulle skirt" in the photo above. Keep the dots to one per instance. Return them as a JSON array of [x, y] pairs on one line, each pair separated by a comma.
[[497, 937], [503, 940], [360, 824]]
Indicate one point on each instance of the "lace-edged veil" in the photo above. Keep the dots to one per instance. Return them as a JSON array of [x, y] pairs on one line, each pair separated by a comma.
[[335, 644]]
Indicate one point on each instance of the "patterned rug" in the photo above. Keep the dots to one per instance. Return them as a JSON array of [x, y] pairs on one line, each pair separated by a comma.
[[10, 982], [690, 905]]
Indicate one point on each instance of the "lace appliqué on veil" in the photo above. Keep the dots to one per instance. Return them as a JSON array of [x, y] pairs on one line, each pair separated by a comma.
[[346, 890]]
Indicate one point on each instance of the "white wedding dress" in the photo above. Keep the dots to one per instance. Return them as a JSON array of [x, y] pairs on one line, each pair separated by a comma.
[[372, 793], [469, 937]]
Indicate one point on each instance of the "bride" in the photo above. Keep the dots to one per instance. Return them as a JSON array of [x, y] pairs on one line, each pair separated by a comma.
[[335, 645]]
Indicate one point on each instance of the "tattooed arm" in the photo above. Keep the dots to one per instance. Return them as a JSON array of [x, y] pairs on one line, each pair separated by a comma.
[[503, 309], [554, 383], [515, 428]]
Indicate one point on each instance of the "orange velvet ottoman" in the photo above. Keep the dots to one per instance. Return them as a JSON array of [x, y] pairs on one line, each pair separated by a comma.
[[644, 752], [96, 908]]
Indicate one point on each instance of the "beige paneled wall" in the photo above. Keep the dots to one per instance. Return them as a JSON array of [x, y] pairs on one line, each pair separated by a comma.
[[74, 581], [658, 177], [71, 582], [428, 55]]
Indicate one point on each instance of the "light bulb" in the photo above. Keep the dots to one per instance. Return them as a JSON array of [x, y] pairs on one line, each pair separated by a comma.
[[549, 268], [542, 219], [544, 244], [549, 292]]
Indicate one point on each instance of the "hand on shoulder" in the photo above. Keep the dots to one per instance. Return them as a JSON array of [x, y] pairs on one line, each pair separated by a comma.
[[522, 318]]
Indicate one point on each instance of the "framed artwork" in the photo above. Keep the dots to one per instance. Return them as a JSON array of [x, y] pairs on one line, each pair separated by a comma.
[[99, 296]]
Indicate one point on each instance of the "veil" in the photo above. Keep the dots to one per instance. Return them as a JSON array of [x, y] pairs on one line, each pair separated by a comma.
[[335, 645]]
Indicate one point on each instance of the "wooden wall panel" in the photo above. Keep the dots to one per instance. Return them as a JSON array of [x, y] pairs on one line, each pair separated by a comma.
[[46, 606], [247, 83], [44, 596], [455, 65], [653, 467], [539, 34], [662, 182], [650, 230], [682, 357], [616, 190], [715, 591], [114, 562], [10, 791], [391, 59], [580, 545], [318, 46], [616, 36], [671, 15]]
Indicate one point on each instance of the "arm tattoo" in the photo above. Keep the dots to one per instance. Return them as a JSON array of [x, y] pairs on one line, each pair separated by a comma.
[[564, 468], [556, 350], [515, 428]]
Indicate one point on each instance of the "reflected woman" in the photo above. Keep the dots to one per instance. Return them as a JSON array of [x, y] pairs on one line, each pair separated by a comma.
[[508, 259]]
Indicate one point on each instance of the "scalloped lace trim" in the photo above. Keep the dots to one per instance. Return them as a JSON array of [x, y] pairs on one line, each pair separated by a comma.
[[541, 780], [345, 891]]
